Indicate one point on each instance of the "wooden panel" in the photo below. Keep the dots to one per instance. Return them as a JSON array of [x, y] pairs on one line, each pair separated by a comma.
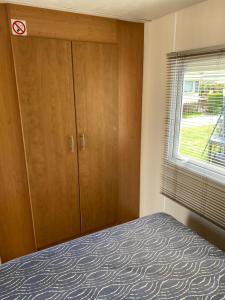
[[64, 25], [16, 235], [130, 38], [45, 86], [96, 90]]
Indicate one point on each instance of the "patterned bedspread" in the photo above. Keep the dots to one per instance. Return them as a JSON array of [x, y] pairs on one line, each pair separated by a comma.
[[154, 257]]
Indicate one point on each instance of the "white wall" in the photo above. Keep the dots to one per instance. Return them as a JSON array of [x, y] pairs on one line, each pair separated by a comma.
[[201, 25]]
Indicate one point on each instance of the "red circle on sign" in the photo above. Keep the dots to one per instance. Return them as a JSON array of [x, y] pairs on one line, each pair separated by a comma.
[[19, 27]]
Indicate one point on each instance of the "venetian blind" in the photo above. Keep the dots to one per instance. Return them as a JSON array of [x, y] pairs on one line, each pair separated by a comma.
[[194, 160]]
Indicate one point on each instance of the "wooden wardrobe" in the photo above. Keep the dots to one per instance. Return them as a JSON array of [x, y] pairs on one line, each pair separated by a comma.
[[74, 118]]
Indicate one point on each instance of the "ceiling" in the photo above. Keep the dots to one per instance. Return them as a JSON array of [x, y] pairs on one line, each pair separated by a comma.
[[137, 10]]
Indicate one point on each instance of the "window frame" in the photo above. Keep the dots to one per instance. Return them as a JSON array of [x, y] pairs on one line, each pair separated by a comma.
[[201, 168]]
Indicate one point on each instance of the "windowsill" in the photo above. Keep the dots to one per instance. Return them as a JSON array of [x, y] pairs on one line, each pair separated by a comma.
[[200, 168]]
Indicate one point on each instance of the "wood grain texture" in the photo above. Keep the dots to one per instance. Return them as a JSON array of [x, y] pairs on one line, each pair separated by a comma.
[[96, 94], [46, 96], [110, 116], [64, 25], [130, 43], [16, 232]]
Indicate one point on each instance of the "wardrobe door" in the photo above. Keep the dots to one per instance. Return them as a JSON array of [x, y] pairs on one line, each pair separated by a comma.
[[46, 99], [96, 94]]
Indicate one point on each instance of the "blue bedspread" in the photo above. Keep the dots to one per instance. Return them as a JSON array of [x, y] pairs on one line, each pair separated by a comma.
[[154, 257]]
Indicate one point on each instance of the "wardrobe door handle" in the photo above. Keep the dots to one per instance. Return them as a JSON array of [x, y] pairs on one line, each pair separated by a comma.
[[82, 141], [72, 145]]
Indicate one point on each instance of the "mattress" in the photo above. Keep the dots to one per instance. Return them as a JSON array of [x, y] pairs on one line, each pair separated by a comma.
[[154, 257]]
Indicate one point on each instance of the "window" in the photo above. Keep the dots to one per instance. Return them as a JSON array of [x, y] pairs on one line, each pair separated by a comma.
[[188, 86], [197, 86], [200, 117], [194, 163]]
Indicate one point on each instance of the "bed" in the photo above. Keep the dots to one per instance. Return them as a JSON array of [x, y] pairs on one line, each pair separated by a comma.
[[154, 257]]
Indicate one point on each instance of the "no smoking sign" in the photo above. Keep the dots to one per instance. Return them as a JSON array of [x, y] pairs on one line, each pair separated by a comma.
[[19, 27]]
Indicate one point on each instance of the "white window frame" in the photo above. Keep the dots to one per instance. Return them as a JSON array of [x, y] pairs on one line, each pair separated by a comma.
[[203, 169]]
